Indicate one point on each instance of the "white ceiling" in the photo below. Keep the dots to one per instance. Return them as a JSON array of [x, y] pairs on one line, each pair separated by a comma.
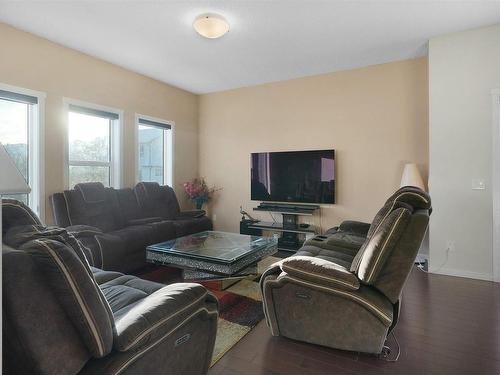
[[268, 40]]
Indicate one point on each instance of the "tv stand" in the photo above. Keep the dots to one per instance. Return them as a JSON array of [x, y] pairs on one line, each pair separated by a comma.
[[289, 227]]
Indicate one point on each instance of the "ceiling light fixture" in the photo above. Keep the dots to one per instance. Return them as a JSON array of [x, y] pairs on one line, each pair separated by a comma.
[[211, 25]]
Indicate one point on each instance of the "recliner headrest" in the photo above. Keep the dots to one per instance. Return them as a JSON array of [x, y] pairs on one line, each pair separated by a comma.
[[16, 213], [413, 196], [151, 190], [92, 192]]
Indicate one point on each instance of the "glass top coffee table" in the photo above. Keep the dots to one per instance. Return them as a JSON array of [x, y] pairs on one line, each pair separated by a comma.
[[212, 254]]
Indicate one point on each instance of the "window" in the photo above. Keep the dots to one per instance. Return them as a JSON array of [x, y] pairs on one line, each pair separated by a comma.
[[20, 128], [93, 152], [155, 161]]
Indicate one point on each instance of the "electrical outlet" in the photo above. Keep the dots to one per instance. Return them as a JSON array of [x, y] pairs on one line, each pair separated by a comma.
[[478, 184], [450, 245], [214, 217]]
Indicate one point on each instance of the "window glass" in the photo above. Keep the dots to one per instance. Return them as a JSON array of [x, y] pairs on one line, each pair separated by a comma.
[[152, 153], [89, 148], [14, 135], [81, 173], [89, 138]]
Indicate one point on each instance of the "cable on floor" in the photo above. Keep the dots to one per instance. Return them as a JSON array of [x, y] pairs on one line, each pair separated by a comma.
[[386, 351]]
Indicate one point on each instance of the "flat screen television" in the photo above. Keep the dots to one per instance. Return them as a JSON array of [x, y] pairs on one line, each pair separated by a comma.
[[293, 176]]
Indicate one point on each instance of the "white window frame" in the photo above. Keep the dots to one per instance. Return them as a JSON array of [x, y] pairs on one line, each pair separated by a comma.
[[116, 143], [169, 141], [36, 149]]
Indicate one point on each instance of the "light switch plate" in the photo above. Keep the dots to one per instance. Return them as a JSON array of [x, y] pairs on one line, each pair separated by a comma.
[[478, 184]]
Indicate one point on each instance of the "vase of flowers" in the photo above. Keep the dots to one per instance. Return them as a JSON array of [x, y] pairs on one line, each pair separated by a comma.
[[198, 191]]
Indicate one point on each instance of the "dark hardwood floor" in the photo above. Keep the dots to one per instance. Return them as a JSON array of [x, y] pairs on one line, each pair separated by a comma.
[[448, 325]]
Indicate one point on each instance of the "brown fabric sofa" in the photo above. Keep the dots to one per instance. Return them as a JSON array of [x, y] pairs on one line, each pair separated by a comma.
[[331, 294], [118, 224], [62, 316]]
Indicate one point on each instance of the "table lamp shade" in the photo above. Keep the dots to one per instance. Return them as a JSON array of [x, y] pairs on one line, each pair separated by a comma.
[[11, 180], [411, 176]]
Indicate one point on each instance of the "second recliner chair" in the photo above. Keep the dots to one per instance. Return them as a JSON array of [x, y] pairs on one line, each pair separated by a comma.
[[345, 299]]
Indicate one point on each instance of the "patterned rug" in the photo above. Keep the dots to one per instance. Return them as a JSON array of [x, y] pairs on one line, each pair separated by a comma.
[[240, 309], [240, 306]]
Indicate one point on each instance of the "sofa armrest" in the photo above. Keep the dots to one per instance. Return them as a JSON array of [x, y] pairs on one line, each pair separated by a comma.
[[191, 214], [355, 227], [83, 230], [320, 271], [161, 313], [146, 220]]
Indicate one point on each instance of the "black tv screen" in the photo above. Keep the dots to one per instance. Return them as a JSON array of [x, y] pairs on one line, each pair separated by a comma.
[[294, 176]]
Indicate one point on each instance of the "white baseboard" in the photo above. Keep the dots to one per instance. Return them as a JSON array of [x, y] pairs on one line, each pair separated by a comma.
[[462, 273]]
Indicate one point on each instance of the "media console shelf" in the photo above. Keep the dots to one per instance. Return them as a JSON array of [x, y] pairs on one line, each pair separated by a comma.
[[278, 227], [287, 209], [289, 227]]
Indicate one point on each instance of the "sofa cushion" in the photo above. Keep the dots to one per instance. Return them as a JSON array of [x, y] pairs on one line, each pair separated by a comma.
[[346, 242], [355, 227], [123, 291], [156, 200], [162, 231], [99, 214], [128, 207], [124, 249], [156, 314], [320, 271], [335, 256], [92, 192], [134, 236], [77, 292], [102, 276], [379, 246]]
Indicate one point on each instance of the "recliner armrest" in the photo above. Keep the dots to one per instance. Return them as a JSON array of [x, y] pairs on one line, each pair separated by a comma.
[[83, 230], [356, 227], [191, 214], [160, 314], [320, 271]]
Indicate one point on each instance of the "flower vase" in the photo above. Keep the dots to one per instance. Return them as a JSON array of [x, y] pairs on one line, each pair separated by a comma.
[[199, 202]]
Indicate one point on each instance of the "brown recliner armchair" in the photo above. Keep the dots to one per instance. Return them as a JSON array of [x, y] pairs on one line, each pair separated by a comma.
[[63, 316], [334, 297]]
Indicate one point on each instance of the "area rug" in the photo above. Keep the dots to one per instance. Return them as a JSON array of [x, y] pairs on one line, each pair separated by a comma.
[[240, 306], [240, 309]]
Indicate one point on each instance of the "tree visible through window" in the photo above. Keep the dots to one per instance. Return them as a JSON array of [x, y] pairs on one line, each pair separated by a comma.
[[89, 150]]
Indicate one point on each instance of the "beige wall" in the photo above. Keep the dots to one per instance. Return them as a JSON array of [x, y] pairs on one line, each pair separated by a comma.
[[376, 118], [463, 69], [35, 63]]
